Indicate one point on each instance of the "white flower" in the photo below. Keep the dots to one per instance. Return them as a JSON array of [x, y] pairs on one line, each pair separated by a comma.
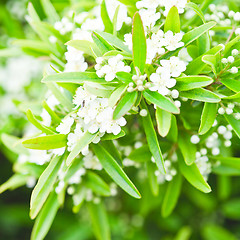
[[75, 61], [128, 40], [65, 125], [173, 41], [122, 14], [195, 139], [184, 55], [77, 177], [64, 26], [82, 96], [149, 4], [155, 45], [168, 4], [115, 64], [175, 66], [149, 17], [90, 161], [162, 81]]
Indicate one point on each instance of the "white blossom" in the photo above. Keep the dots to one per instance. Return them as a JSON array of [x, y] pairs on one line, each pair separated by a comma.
[[149, 17], [175, 66], [65, 125], [114, 65], [162, 81], [90, 161], [173, 41]]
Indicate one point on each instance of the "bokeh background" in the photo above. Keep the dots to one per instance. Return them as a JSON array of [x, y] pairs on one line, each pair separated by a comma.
[[213, 216]]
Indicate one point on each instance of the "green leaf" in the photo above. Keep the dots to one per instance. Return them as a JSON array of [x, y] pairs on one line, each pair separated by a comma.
[[101, 43], [114, 41], [172, 195], [50, 11], [44, 186], [111, 136], [96, 183], [114, 53], [46, 142], [208, 117], [139, 43], [201, 95], [152, 178], [141, 154], [115, 19], [105, 18], [32, 119], [116, 95], [173, 133], [115, 171], [184, 233], [231, 209], [197, 32], [55, 118], [163, 119], [112, 150], [152, 139], [125, 104], [212, 231], [10, 52], [172, 22], [197, 65], [161, 101], [14, 144], [191, 82], [74, 77], [99, 221], [232, 162], [196, 9], [232, 84], [211, 60], [45, 218], [85, 140], [124, 77], [17, 180], [234, 123], [60, 96], [35, 45], [193, 175], [187, 148], [32, 13], [85, 46]]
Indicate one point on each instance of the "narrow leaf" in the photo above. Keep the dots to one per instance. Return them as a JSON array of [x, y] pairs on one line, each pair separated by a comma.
[[152, 139], [163, 119], [85, 140], [172, 195], [44, 186], [202, 95], [105, 18], [208, 117], [45, 218], [172, 22], [99, 221], [187, 148], [234, 123], [115, 171], [193, 175], [161, 101], [46, 142], [125, 104], [32, 119], [139, 43], [191, 82]]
